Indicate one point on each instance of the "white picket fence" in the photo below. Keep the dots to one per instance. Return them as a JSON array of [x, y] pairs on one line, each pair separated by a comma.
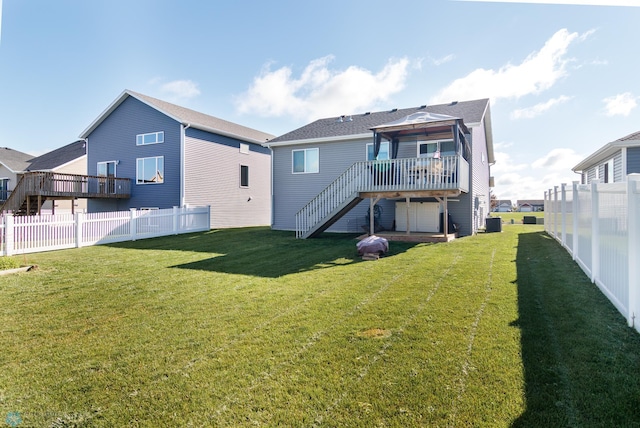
[[599, 225], [31, 234]]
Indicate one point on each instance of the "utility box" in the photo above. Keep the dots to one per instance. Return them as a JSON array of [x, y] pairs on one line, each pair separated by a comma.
[[493, 224], [529, 219]]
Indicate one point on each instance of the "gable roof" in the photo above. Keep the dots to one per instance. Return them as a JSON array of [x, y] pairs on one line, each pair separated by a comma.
[[14, 160], [357, 126], [532, 202], [608, 150], [58, 157], [186, 117]]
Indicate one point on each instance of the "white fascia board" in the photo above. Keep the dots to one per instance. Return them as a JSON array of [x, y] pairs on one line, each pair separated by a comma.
[[319, 140], [225, 133], [603, 153]]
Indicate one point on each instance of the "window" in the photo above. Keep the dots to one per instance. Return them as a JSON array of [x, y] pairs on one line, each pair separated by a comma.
[[306, 161], [244, 148], [383, 154], [151, 138], [4, 189], [244, 176], [436, 148], [150, 170]]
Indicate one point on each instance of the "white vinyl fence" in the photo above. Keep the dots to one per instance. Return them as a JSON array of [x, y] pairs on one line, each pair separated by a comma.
[[31, 234], [599, 225]]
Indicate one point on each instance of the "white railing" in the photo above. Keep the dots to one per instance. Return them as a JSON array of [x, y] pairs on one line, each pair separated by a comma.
[[30, 234], [400, 175], [599, 225]]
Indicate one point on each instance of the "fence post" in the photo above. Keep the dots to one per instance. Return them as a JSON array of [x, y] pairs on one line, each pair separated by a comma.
[[555, 213], [595, 232], [8, 234], [133, 223], [78, 218], [576, 215], [176, 216], [633, 181], [563, 209]]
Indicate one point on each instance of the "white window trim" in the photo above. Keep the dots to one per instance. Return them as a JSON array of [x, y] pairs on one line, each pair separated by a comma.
[[244, 148], [153, 182], [420, 142], [115, 167], [140, 138], [305, 154], [366, 153]]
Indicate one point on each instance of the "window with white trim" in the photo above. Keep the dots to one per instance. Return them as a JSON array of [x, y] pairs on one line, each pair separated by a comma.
[[305, 161], [150, 170], [244, 148], [383, 154], [244, 176], [4, 188], [435, 149], [150, 138]]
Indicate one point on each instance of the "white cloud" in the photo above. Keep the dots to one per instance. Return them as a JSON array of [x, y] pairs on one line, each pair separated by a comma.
[[320, 91], [536, 73], [523, 181], [620, 104], [180, 90], [538, 109]]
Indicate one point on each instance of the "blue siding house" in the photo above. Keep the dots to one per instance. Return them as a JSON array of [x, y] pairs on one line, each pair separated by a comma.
[[175, 156], [403, 170], [612, 162]]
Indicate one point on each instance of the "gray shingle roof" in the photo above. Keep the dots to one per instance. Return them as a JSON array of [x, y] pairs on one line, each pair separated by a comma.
[[58, 157], [470, 112], [187, 117], [630, 137], [14, 160]]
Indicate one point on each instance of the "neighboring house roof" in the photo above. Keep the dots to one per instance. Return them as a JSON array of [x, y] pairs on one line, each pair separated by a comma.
[[186, 117], [58, 157], [14, 160], [532, 202], [504, 202], [608, 150], [360, 125]]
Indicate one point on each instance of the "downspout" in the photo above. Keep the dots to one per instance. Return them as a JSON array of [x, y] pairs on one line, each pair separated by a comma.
[[183, 129], [273, 208]]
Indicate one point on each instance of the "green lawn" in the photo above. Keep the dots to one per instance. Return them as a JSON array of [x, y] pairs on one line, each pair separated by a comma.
[[251, 327]]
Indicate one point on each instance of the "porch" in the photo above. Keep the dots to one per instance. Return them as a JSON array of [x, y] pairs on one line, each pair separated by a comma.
[[34, 188], [405, 178]]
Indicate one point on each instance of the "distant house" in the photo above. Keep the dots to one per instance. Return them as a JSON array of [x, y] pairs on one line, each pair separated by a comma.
[[503, 206], [175, 156], [612, 162], [12, 163], [413, 165], [69, 159], [530, 205]]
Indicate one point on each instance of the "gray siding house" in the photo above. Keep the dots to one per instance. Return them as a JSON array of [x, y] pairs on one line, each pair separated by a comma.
[[400, 169], [175, 156], [612, 162], [12, 163]]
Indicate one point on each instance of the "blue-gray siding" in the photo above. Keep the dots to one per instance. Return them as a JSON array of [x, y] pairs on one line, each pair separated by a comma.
[[115, 140], [633, 160]]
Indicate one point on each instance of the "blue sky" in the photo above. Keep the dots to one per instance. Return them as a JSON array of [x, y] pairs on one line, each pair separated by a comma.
[[562, 78]]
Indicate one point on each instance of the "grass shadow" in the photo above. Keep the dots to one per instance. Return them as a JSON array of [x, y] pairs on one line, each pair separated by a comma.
[[260, 251], [581, 361]]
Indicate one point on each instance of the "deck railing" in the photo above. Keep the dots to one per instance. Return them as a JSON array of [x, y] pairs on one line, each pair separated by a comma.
[[54, 184], [399, 175]]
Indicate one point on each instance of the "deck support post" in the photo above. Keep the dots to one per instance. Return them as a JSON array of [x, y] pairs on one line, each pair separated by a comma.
[[445, 221], [408, 201]]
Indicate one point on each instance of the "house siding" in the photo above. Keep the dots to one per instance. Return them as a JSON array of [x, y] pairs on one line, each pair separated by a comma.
[[292, 191], [212, 177], [115, 140]]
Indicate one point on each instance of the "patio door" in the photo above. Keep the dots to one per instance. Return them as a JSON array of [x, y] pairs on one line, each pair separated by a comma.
[[108, 171]]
